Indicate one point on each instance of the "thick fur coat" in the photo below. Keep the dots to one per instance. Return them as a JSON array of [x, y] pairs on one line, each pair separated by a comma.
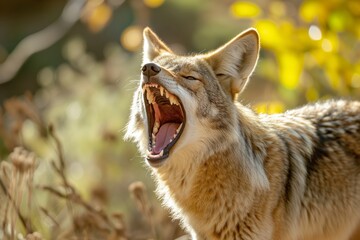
[[229, 173]]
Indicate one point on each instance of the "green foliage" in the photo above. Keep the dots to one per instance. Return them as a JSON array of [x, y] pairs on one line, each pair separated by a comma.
[[312, 49]]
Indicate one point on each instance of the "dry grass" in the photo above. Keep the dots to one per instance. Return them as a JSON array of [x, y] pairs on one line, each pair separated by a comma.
[[65, 214]]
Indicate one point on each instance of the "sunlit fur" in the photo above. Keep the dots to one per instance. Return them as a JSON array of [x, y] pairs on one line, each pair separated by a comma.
[[234, 174]]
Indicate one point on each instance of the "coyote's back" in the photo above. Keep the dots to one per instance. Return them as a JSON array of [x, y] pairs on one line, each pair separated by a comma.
[[321, 145], [228, 173]]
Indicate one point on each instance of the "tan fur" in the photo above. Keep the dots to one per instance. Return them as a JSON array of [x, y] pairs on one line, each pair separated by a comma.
[[234, 174]]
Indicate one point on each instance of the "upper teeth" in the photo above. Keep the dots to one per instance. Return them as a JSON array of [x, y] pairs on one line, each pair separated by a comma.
[[173, 100], [162, 90], [151, 97]]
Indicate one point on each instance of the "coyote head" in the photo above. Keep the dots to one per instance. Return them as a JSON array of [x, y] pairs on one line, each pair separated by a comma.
[[186, 102]]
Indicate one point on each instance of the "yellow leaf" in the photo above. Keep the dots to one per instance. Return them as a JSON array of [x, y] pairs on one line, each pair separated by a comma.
[[244, 9], [290, 69], [98, 17], [269, 33], [131, 38], [270, 107], [153, 3], [319, 56], [311, 11]]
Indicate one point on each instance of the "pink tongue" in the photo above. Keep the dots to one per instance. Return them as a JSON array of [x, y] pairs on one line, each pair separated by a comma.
[[166, 132]]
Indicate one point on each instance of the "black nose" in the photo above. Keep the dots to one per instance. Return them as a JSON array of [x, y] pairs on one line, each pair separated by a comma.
[[150, 69]]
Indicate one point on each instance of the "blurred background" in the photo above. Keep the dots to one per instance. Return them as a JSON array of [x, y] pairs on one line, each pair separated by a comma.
[[73, 65]]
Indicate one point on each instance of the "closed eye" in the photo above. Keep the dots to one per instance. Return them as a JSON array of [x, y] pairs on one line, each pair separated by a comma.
[[190, 78]]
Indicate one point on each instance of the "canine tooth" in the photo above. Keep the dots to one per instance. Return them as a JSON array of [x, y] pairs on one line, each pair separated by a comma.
[[171, 100], [161, 90], [161, 153], [167, 94], [175, 101]]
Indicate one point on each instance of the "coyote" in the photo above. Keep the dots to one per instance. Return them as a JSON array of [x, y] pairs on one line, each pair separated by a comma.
[[229, 173]]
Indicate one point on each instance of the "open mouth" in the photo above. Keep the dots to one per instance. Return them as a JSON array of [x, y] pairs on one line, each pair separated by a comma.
[[165, 119]]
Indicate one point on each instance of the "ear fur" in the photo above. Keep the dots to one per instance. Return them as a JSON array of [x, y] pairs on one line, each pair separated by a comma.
[[153, 46], [235, 61]]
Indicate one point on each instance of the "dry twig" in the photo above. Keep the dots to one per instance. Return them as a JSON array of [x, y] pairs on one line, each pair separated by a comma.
[[23, 165], [23, 220], [138, 192]]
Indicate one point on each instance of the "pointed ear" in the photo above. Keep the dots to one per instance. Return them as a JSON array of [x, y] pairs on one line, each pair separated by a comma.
[[153, 46], [234, 62]]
